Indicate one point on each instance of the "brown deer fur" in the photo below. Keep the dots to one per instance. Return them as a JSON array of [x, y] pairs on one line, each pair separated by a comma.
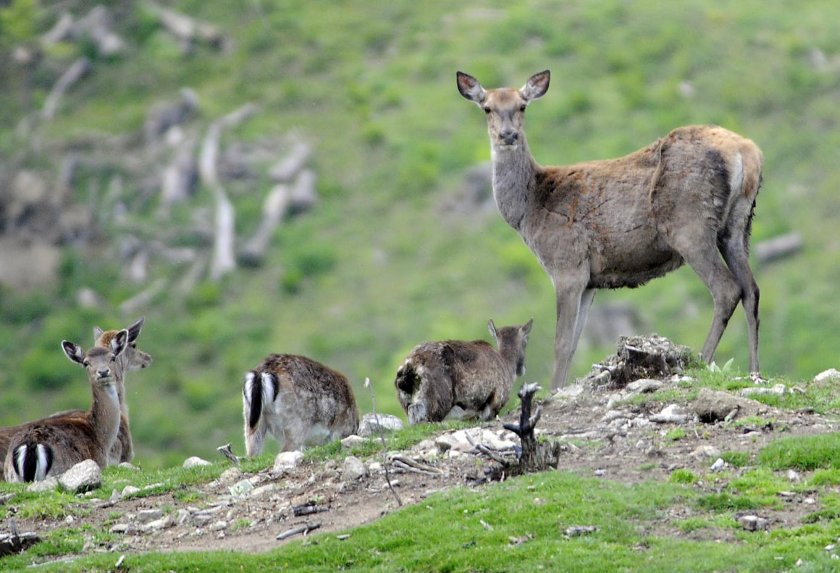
[[455, 379], [298, 401], [53, 445], [131, 358], [688, 197]]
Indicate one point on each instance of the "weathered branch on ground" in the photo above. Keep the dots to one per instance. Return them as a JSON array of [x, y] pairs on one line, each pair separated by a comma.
[[274, 208], [77, 70], [12, 542], [142, 299], [288, 167], [227, 452], [97, 25], [187, 30], [304, 529], [778, 247]]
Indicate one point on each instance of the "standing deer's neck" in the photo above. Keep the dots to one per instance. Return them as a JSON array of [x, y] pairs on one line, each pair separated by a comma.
[[105, 413], [514, 176]]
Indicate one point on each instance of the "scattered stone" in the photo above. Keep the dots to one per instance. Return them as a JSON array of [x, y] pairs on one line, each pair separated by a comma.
[[714, 405], [579, 530], [82, 477], [705, 451], [600, 472], [753, 523], [263, 491], [718, 465], [158, 524], [49, 484], [129, 490], [793, 475], [218, 526], [195, 461], [182, 516], [352, 441], [230, 476], [673, 413], [776, 390], [464, 441], [644, 386], [128, 466], [353, 469], [639, 357], [241, 489], [148, 515], [374, 424], [827, 375], [287, 460]]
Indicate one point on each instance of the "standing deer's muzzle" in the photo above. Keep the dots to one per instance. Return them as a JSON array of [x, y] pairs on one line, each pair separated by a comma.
[[509, 136]]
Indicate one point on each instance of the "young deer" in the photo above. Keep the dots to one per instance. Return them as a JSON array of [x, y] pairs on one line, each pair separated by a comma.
[[298, 401], [454, 379], [131, 358], [53, 445], [688, 197]]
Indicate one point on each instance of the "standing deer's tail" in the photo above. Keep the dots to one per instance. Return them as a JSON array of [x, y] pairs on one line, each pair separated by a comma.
[[32, 461], [257, 391]]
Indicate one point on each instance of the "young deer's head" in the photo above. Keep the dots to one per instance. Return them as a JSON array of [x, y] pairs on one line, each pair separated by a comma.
[[504, 107], [132, 357], [511, 341], [100, 362]]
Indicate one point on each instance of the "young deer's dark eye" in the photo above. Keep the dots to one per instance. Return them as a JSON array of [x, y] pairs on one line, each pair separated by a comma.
[[486, 110], [86, 363], [522, 107]]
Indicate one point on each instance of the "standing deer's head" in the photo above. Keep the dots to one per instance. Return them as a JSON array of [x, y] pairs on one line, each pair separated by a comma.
[[504, 107]]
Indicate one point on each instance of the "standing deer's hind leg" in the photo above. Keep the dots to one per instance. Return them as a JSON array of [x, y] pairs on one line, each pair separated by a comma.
[[703, 257], [733, 247]]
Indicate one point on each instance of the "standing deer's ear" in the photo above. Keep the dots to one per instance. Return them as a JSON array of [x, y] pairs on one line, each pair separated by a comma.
[[492, 328], [470, 88], [536, 86], [119, 342], [97, 332], [73, 351]]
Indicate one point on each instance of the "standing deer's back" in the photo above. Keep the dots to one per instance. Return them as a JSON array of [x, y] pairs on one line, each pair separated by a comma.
[[297, 400]]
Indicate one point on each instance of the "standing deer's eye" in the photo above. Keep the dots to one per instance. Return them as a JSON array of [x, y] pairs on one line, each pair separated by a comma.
[[522, 107], [486, 110], [86, 363]]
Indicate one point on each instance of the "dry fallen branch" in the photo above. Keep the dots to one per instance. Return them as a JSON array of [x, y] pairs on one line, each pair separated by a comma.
[[186, 29], [77, 70], [304, 529], [228, 453]]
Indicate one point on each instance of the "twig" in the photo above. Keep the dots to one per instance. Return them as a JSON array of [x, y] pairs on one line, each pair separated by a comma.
[[387, 464], [228, 453], [305, 529], [307, 509]]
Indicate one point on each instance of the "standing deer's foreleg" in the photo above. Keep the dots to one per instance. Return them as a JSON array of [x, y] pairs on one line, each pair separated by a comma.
[[573, 301]]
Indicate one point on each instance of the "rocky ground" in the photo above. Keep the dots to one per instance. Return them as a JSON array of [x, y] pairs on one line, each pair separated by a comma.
[[615, 434]]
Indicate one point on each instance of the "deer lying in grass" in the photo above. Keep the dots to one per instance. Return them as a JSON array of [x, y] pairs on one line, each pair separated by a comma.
[[688, 197], [131, 358], [298, 401], [53, 445], [454, 379]]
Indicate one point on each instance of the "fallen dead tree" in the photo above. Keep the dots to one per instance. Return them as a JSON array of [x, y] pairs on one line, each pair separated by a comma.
[[639, 357]]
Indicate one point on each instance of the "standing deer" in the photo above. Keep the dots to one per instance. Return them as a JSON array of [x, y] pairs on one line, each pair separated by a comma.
[[131, 358], [53, 445], [454, 379], [298, 401], [688, 197]]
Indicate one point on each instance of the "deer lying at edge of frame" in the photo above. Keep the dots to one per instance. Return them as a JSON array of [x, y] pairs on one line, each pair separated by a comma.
[[689, 197], [297, 400], [131, 358], [53, 445], [455, 379]]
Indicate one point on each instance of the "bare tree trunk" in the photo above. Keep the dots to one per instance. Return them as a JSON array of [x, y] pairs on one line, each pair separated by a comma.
[[223, 260], [79, 69]]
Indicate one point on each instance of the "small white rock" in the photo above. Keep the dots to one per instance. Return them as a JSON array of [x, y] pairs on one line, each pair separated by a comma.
[[718, 465], [49, 484], [82, 477], [827, 375], [194, 461], [352, 441], [287, 460], [673, 413], [129, 490], [353, 469]]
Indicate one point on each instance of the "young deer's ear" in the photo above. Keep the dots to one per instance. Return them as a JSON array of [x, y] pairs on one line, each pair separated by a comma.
[[536, 86], [73, 351], [119, 342], [134, 329], [492, 328], [470, 88], [526, 328]]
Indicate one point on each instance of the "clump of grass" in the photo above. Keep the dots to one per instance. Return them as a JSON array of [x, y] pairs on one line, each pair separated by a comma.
[[736, 459], [675, 435], [802, 452], [682, 476]]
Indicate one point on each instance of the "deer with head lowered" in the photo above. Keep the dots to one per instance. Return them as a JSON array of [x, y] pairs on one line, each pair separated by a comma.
[[688, 197], [132, 358], [456, 379], [297, 400], [53, 445]]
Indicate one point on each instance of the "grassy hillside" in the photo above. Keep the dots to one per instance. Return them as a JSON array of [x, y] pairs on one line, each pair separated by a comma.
[[381, 264]]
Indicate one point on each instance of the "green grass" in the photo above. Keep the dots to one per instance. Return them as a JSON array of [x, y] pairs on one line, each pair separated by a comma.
[[803, 453]]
